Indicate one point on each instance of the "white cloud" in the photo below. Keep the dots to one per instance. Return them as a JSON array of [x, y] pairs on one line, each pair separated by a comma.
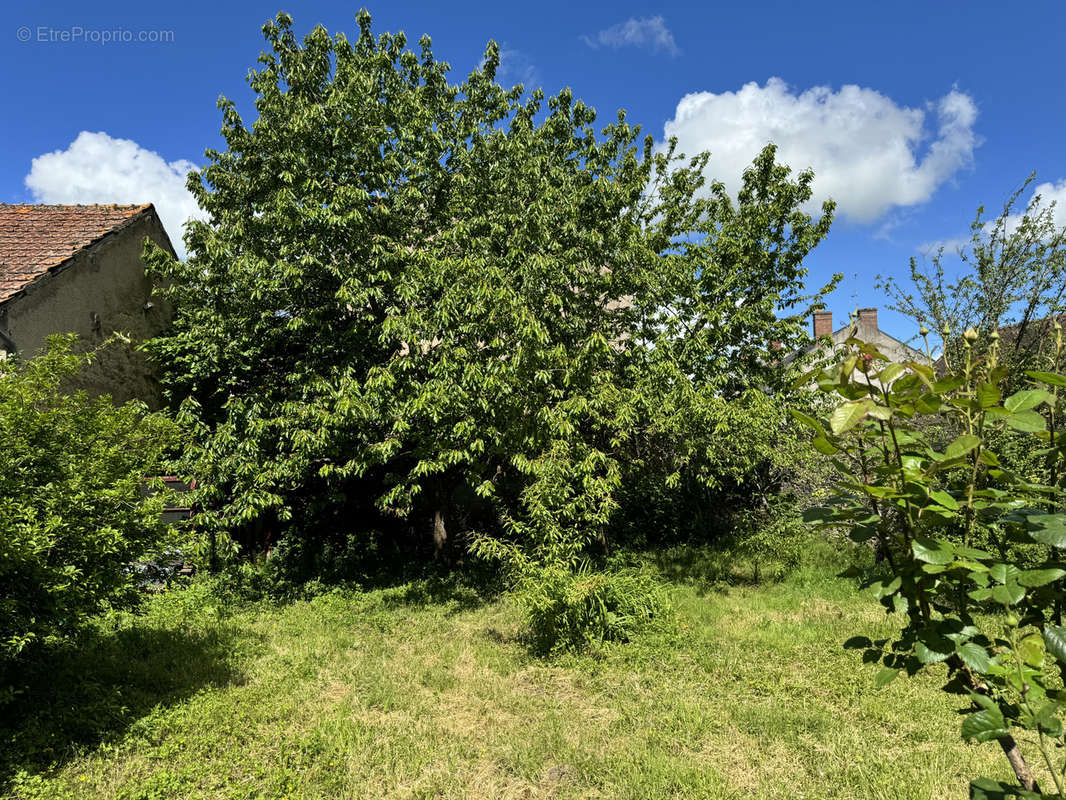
[[650, 32], [1049, 193], [950, 246], [516, 67], [868, 153], [98, 168]]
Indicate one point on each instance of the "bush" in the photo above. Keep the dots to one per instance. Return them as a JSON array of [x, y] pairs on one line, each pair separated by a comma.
[[569, 610], [970, 550], [771, 538], [73, 507]]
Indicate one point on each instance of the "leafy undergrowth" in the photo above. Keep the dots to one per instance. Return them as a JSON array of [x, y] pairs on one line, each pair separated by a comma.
[[745, 692]]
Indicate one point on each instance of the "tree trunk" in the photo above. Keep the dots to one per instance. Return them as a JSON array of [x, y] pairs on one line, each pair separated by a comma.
[[440, 534], [1018, 763], [1010, 747]]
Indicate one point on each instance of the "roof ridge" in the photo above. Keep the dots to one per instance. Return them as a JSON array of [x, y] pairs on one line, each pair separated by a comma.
[[116, 206]]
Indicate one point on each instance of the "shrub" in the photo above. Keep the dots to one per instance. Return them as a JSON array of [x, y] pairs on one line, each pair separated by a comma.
[[568, 610], [970, 550], [73, 507], [771, 537]]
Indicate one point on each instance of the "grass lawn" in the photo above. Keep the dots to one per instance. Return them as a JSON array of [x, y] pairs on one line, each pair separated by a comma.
[[427, 691]]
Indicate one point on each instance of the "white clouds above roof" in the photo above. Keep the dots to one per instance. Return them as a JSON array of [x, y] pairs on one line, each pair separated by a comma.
[[868, 153], [97, 168]]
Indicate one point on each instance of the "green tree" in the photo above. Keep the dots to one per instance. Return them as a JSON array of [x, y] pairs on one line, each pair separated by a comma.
[[460, 308], [73, 507], [1012, 275]]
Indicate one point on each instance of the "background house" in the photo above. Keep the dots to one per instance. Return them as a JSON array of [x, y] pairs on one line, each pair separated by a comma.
[[78, 269], [863, 326]]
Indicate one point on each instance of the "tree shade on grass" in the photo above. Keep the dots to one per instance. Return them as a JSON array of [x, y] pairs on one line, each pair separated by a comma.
[[417, 692]]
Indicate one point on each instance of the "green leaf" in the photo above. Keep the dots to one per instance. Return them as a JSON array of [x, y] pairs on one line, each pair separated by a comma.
[[932, 647], [1004, 573], [974, 656], [869, 348], [880, 412], [988, 789], [1031, 651], [900, 603], [806, 378], [932, 551], [862, 533], [1047, 719], [818, 514], [927, 404], [949, 384], [1025, 399], [809, 421], [885, 676], [890, 373], [996, 413], [1049, 529], [1052, 378], [847, 416], [1040, 577], [874, 490], [963, 445], [1026, 421], [824, 446], [984, 725], [983, 700], [988, 395], [1009, 594], [944, 499], [882, 589], [1055, 642], [923, 371], [989, 458]]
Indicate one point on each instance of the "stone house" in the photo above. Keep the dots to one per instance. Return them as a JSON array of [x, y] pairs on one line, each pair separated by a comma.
[[78, 269], [864, 326]]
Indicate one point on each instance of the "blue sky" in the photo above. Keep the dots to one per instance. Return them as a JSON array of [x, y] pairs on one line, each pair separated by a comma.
[[912, 113]]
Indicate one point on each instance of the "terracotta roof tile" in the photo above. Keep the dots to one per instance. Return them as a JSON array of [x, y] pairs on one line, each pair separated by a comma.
[[36, 238]]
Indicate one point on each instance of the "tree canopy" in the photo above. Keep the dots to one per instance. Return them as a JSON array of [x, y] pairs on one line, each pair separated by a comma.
[[1011, 279], [460, 308]]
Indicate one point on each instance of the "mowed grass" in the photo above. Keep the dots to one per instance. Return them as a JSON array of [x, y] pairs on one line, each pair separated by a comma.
[[427, 691]]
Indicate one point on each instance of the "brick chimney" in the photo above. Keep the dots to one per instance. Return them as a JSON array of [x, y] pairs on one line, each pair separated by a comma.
[[868, 317], [823, 324]]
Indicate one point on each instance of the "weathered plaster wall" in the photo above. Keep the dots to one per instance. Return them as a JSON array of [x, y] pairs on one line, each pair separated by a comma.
[[102, 289], [894, 349]]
